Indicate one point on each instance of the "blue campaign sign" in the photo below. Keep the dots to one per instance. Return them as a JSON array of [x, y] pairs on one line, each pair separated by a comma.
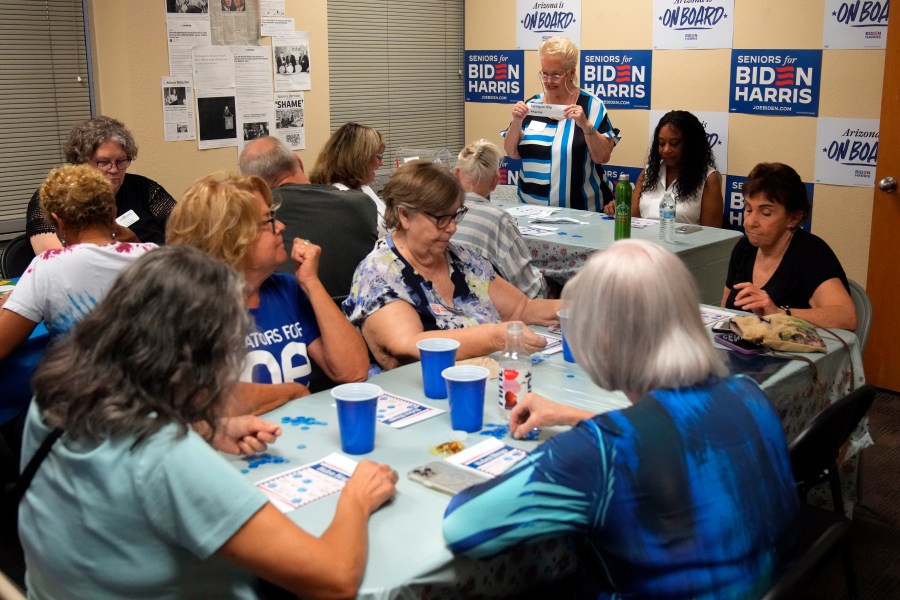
[[734, 203], [775, 82], [494, 76], [621, 78], [614, 172], [509, 170]]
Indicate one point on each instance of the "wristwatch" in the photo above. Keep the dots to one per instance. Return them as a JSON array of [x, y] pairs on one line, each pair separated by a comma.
[[591, 131], [786, 310]]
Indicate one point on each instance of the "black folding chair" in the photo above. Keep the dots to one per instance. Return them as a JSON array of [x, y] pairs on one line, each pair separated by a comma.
[[822, 533], [815, 450], [16, 257]]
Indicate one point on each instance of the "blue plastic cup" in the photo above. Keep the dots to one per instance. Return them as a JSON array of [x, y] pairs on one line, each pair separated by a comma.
[[436, 354], [356, 407], [563, 326], [465, 384]]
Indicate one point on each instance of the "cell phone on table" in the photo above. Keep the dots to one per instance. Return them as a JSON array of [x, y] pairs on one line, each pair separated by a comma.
[[734, 342], [444, 477], [723, 326], [687, 228]]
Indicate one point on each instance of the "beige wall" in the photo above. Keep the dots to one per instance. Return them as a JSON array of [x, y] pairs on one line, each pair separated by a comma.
[[130, 56], [699, 80]]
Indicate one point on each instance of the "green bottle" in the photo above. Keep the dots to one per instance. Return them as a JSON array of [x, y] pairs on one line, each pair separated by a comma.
[[623, 208]]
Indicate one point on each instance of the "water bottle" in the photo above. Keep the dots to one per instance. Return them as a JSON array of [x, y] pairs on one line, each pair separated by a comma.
[[623, 208], [515, 369], [667, 219]]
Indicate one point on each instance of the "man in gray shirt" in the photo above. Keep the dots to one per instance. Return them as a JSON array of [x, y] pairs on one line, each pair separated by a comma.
[[342, 222]]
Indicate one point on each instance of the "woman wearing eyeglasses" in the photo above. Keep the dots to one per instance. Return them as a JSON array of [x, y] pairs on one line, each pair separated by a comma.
[[296, 321], [562, 157], [105, 144], [349, 160], [417, 283]]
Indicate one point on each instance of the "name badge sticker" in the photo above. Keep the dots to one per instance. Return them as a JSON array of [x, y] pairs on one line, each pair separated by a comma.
[[128, 219], [536, 126], [439, 310]]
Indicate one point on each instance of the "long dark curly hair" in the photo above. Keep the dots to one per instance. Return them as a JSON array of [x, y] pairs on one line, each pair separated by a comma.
[[165, 347], [696, 155]]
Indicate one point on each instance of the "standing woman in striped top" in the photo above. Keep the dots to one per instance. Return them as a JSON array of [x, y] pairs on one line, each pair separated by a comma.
[[562, 158]]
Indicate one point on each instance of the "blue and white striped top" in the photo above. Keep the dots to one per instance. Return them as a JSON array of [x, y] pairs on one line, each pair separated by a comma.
[[557, 169]]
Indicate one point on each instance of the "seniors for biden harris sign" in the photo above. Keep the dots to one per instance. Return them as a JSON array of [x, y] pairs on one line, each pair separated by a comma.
[[494, 76], [775, 82], [621, 78]]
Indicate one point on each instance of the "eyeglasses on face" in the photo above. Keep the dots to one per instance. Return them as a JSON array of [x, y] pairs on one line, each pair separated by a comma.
[[554, 77], [270, 221], [107, 165], [441, 221]]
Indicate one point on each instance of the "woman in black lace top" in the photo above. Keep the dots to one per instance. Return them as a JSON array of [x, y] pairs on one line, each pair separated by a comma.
[[142, 205]]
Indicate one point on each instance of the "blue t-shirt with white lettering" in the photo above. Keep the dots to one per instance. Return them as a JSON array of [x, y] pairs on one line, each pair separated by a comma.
[[278, 347]]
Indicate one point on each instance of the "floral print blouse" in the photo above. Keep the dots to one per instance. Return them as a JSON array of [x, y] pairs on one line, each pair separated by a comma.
[[379, 280]]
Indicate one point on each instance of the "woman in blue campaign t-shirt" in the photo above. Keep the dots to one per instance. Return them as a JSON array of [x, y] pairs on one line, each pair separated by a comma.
[[296, 323]]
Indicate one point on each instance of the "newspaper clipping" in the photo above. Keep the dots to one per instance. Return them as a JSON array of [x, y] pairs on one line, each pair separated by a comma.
[[290, 126], [178, 109], [291, 62]]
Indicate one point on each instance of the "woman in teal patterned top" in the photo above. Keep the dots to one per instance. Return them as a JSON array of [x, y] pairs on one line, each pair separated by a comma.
[[688, 493]]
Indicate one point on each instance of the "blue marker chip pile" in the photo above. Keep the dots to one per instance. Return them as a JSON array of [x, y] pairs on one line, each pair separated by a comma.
[[501, 430], [254, 461], [302, 422]]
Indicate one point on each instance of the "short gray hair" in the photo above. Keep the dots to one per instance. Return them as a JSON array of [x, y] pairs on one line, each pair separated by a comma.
[[86, 136], [164, 347], [478, 162], [268, 158], [635, 322]]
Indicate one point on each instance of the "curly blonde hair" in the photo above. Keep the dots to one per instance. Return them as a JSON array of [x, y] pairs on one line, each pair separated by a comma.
[[560, 47], [79, 195], [219, 215], [346, 155]]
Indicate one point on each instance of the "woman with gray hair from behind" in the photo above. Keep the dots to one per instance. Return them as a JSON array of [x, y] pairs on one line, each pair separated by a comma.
[[488, 228], [687, 493], [151, 510]]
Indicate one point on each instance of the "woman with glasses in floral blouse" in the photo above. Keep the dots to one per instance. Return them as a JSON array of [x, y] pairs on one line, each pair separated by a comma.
[[296, 323], [417, 283], [562, 156], [142, 205]]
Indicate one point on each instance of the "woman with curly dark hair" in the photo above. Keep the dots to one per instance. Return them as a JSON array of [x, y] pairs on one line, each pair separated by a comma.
[[106, 145], [681, 162]]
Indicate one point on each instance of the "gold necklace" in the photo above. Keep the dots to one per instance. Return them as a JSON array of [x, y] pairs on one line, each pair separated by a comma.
[[790, 237]]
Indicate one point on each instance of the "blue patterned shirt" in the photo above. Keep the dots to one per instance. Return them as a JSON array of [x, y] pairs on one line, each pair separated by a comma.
[[686, 494]]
